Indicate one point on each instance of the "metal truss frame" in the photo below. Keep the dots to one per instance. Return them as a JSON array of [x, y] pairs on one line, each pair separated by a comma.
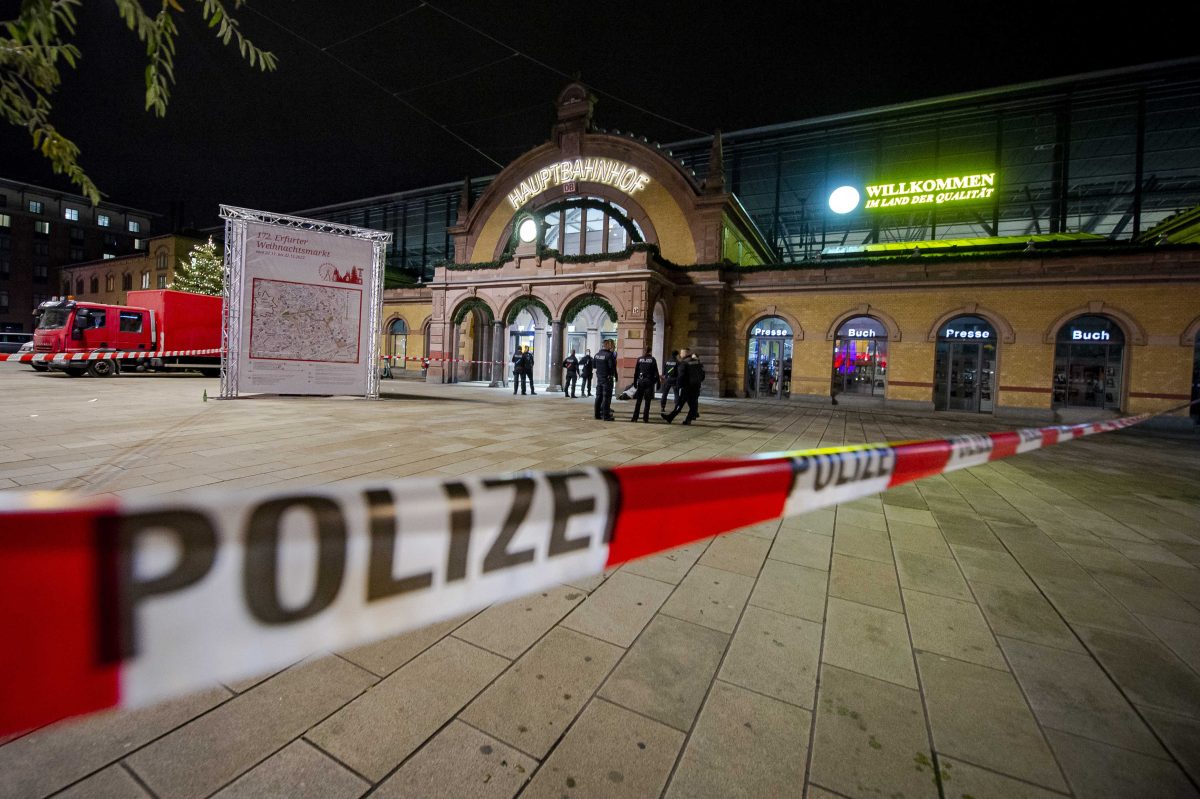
[[236, 220]]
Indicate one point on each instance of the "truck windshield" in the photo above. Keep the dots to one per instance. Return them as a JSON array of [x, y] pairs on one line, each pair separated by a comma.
[[54, 318]]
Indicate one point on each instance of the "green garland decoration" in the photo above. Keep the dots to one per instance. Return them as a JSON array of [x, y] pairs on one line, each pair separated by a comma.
[[579, 303], [523, 303], [470, 305]]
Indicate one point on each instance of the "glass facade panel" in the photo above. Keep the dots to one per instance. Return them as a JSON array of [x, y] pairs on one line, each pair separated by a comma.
[[1088, 364], [964, 366], [572, 221]]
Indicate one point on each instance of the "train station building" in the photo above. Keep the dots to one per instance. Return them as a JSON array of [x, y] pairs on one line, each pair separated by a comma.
[[1028, 252]]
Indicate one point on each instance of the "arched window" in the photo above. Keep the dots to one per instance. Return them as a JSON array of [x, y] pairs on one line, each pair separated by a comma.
[[79, 286], [160, 260], [397, 342], [860, 357], [964, 366], [587, 226], [95, 284], [126, 282], [146, 279], [769, 358], [1089, 363], [109, 282]]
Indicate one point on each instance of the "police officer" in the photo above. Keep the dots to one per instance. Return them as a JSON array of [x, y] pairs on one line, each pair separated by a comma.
[[527, 367], [646, 379], [518, 362], [585, 371], [605, 364], [670, 373], [690, 376], [571, 364]]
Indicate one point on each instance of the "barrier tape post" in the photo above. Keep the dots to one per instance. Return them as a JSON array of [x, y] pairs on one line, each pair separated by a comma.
[[123, 603]]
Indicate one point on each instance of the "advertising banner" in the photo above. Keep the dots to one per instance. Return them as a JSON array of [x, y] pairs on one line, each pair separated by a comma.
[[306, 298]]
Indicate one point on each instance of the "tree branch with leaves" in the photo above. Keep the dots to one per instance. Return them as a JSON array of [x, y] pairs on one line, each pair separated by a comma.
[[35, 45]]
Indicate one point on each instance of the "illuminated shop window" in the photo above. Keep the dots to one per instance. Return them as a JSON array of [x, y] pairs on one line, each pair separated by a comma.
[[964, 366], [769, 358], [1088, 363], [860, 357]]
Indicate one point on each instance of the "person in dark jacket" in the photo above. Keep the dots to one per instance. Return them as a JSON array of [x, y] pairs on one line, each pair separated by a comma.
[[518, 362], [527, 366], [605, 364], [690, 376], [585, 371], [571, 364], [646, 378], [670, 372]]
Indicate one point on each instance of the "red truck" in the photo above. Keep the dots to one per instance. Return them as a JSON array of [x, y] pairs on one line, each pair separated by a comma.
[[155, 321]]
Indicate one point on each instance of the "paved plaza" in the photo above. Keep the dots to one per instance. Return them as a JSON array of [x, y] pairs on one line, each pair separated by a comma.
[[1029, 628]]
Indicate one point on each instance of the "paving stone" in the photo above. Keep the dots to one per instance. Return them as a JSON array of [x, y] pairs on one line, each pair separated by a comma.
[[1180, 637], [951, 627], [425, 694], [666, 673], [776, 655], [203, 755], [931, 575], [298, 770], [53, 757], [817, 521], [113, 782], [968, 531], [1098, 771], [864, 519], [740, 554], [1086, 602], [710, 597], [990, 566], [978, 714], [794, 590], [618, 610], [904, 515], [589, 584], [384, 657], [1180, 734], [918, 538], [609, 752], [866, 581], [1147, 596], [1024, 614], [1146, 671], [870, 738], [963, 779], [1183, 580], [861, 542], [870, 641], [513, 627], [669, 567], [460, 762], [803, 548], [531, 705], [1069, 692], [744, 745]]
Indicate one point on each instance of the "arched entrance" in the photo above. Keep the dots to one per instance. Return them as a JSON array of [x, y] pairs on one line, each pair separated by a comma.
[[472, 332], [396, 346], [964, 366], [1089, 364], [660, 333], [860, 357], [769, 358], [590, 321], [529, 326]]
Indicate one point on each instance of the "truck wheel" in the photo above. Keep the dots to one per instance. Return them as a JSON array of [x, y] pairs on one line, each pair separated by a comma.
[[214, 372], [39, 367], [75, 371], [103, 368]]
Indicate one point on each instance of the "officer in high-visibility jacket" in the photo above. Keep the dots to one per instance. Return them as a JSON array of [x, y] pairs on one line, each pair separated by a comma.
[[646, 379]]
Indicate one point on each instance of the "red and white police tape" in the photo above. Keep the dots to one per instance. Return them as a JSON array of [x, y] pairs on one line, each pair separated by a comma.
[[104, 355], [119, 603], [432, 360]]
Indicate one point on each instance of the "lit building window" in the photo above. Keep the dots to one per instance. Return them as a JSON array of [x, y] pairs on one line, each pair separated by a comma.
[[162, 281], [71, 214], [103, 221], [594, 227], [41, 227], [160, 261], [5, 220], [109, 282], [35, 207], [135, 226], [145, 280]]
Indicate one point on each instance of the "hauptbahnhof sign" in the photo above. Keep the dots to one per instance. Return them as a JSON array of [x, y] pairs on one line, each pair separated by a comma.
[[619, 175]]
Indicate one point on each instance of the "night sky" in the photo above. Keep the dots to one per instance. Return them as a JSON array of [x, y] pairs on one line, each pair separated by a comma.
[[336, 121]]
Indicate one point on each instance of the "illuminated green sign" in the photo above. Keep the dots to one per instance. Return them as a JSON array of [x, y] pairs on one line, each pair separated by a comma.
[[934, 191]]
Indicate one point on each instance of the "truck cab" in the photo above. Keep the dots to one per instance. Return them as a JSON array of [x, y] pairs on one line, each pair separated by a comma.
[[68, 326]]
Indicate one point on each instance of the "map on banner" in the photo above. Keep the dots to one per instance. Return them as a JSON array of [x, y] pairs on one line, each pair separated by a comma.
[[304, 322]]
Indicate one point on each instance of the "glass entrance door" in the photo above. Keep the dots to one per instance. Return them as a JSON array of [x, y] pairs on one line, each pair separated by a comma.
[[963, 374], [769, 368]]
